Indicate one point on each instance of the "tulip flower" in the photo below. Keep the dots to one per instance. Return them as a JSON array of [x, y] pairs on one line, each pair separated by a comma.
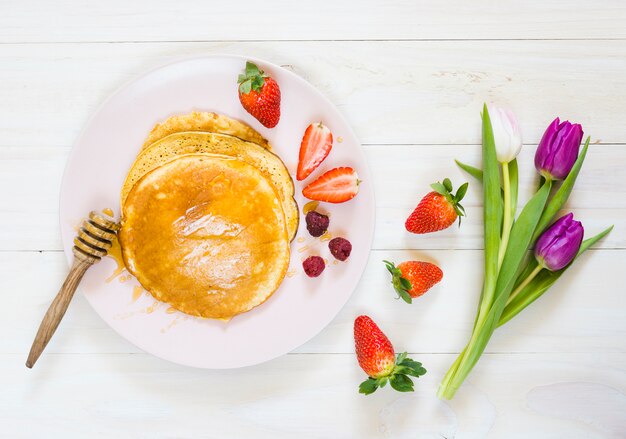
[[511, 280], [508, 143], [558, 149], [506, 133], [555, 248], [559, 244]]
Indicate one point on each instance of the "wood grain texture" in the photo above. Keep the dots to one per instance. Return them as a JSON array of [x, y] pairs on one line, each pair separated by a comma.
[[190, 20], [411, 78], [312, 396], [582, 313], [416, 92], [402, 174]]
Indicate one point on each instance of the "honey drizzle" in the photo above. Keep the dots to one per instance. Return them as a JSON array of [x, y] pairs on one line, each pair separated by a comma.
[[137, 292], [326, 236], [310, 206], [115, 253], [291, 273], [108, 211]]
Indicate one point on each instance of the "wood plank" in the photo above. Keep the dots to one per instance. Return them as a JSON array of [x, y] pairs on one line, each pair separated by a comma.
[[402, 173], [416, 92], [143, 20], [311, 396], [584, 312]]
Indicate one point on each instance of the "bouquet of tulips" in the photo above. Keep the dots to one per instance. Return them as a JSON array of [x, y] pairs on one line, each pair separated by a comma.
[[513, 278]]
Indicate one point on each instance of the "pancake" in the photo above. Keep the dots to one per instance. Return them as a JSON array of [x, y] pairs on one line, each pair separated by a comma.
[[207, 122], [206, 234], [174, 145]]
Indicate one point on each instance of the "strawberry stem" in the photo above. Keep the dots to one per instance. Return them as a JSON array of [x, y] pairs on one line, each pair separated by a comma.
[[399, 378]]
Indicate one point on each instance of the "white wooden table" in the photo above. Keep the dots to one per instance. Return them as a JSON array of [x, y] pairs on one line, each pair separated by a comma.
[[411, 77]]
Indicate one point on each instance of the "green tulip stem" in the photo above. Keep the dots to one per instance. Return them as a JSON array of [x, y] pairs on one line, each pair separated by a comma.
[[506, 223], [525, 282]]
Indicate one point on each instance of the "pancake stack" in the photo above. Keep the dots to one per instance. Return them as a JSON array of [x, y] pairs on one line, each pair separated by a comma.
[[207, 216]]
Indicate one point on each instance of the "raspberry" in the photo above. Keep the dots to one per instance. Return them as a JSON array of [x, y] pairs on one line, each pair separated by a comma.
[[340, 248], [316, 223], [313, 266]]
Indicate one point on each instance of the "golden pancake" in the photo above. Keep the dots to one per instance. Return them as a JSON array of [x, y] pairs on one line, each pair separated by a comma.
[[174, 145], [208, 122], [206, 234]]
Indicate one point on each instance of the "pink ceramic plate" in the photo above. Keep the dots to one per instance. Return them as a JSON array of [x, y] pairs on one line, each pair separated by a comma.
[[301, 307]]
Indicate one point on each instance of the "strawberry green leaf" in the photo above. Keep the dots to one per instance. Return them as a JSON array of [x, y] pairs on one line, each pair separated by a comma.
[[447, 184], [368, 386], [404, 295], [382, 382], [401, 383], [439, 188], [252, 69], [401, 357], [406, 283], [257, 83], [245, 87], [460, 193], [408, 362]]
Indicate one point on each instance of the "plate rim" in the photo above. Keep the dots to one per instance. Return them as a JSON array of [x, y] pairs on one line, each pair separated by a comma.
[[187, 58]]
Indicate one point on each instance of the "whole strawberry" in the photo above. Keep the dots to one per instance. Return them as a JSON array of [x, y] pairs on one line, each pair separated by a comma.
[[377, 358], [438, 210], [259, 95], [413, 278]]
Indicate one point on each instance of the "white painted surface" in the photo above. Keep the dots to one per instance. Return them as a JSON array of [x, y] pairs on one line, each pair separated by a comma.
[[410, 77]]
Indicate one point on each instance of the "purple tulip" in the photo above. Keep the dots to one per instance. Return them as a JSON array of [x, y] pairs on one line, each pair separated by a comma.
[[559, 244], [558, 149]]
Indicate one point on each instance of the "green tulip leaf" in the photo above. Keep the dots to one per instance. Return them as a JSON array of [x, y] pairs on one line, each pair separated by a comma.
[[474, 172], [562, 194], [544, 280]]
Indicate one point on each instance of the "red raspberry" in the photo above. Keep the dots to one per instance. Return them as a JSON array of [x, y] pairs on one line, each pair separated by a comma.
[[316, 223], [340, 248], [313, 266]]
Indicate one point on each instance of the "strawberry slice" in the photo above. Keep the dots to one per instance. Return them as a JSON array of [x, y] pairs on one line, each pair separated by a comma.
[[335, 186], [315, 147]]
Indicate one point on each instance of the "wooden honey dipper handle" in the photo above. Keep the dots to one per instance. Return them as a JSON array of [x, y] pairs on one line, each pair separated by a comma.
[[92, 243], [57, 310]]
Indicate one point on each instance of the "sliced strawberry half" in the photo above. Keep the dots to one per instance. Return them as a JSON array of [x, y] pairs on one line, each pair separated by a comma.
[[315, 147], [335, 186]]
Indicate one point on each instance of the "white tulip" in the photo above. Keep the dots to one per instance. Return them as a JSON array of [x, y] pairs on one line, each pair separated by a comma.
[[506, 133]]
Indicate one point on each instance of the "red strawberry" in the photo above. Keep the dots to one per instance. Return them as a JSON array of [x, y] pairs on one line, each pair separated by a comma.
[[315, 147], [335, 186], [378, 360], [438, 209], [413, 278], [260, 95]]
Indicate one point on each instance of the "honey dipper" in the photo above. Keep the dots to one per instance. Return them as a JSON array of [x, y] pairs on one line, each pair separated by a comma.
[[92, 244]]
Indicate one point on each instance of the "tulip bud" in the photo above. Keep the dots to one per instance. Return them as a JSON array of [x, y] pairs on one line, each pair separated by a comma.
[[506, 133], [558, 149], [559, 244]]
